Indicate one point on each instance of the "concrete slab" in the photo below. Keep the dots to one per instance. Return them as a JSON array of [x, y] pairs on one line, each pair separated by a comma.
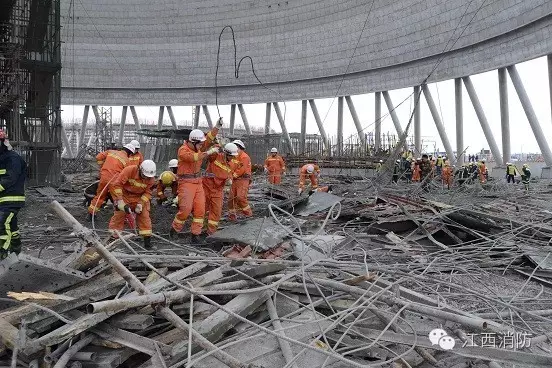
[[26, 273], [318, 201], [320, 247], [541, 256], [261, 233]]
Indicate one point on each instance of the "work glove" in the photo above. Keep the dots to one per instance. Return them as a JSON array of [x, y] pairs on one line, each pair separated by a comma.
[[138, 208], [318, 176], [299, 191], [283, 173], [175, 201], [266, 170], [219, 123], [121, 205], [212, 151]]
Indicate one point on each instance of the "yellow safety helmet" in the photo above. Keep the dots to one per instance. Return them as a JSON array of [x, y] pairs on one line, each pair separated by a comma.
[[167, 178]]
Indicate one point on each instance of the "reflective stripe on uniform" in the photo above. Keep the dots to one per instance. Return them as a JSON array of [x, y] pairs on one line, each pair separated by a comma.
[[222, 166], [196, 156], [100, 162], [118, 191], [145, 198], [2, 171], [2, 188], [136, 183], [122, 160], [211, 222], [145, 232], [200, 220], [177, 221], [210, 135], [246, 208], [8, 231], [12, 199]]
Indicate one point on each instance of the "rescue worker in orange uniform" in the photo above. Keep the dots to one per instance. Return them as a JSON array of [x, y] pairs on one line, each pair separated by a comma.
[[482, 172], [237, 200], [131, 191], [446, 175], [191, 197], [218, 173], [311, 171], [136, 158], [168, 179], [274, 166], [416, 171], [112, 163]]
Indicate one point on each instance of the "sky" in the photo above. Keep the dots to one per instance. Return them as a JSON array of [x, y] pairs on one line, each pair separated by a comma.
[[534, 75]]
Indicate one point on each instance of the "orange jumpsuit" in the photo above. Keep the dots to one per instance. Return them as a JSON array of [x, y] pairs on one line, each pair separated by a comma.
[[161, 187], [416, 172], [112, 163], [132, 189], [447, 176], [275, 166], [237, 200], [218, 171], [313, 177], [482, 172], [191, 197]]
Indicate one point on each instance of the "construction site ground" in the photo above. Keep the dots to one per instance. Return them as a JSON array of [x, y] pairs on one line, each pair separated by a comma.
[[369, 275]]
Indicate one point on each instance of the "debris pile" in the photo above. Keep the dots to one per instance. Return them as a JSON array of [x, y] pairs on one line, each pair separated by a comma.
[[364, 279]]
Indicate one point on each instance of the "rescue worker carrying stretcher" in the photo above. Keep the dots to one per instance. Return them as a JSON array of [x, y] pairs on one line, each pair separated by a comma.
[[12, 196], [311, 171], [241, 178], [136, 158], [131, 191], [191, 197], [218, 173], [112, 163], [275, 167], [168, 179]]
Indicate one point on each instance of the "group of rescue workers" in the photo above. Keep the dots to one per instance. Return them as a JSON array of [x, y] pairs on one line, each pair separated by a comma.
[[130, 180], [426, 168]]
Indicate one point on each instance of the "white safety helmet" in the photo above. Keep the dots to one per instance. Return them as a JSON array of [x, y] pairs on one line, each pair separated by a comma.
[[310, 169], [136, 144], [148, 168], [130, 147], [173, 163], [231, 149], [274, 150], [196, 135], [239, 143]]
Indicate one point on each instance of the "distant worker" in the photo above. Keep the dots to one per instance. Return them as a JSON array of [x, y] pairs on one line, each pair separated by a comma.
[[396, 171], [439, 164], [379, 165], [426, 169], [446, 175], [525, 176], [113, 162], [168, 179], [416, 172], [511, 172], [12, 196], [131, 191], [482, 172], [274, 166], [136, 158], [241, 178], [408, 171], [310, 171], [191, 197], [218, 174]]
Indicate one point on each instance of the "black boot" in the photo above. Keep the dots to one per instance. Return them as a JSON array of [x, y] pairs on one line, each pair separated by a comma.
[[147, 242], [173, 234], [198, 239], [15, 246]]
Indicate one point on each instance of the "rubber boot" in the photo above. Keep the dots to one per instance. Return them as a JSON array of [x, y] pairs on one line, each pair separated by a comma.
[[147, 242], [15, 246], [173, 234], [197, 239]]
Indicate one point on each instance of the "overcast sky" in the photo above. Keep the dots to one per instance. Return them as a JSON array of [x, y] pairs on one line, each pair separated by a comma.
[[534, 75]]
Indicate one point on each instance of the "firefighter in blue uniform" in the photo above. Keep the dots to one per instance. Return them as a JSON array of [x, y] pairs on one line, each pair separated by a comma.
[[12, 196]]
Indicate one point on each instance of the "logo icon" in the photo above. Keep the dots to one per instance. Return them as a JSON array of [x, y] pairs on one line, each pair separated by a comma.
[[439, 337]]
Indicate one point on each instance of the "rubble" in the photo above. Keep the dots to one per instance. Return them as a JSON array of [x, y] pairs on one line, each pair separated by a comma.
[[360, 278]]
